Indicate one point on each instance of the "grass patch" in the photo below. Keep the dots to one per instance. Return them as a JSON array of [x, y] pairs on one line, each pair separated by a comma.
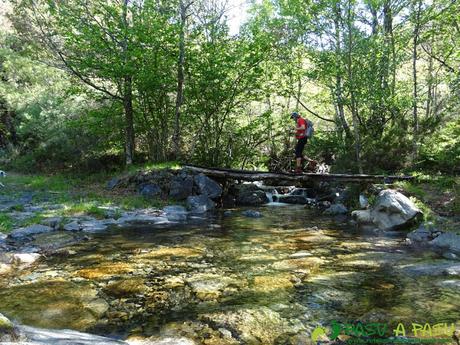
[[79, 194], [36, 219], [434, 194], [17, 208], [411, 188], [428, 214], [6, 223], [84, 208]]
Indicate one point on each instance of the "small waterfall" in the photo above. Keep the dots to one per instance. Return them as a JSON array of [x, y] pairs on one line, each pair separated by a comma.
[[269, 196], [272, 195]]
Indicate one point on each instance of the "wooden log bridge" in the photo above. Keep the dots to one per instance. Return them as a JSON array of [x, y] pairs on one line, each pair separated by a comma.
[[253, 175]]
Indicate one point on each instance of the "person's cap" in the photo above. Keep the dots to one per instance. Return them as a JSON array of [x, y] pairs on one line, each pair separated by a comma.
[[294, 114]]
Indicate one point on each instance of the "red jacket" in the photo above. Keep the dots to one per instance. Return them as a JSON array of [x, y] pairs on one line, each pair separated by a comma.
[[301, 133]]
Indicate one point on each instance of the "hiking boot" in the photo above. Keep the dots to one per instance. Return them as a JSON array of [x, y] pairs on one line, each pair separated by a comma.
[[298, 171]]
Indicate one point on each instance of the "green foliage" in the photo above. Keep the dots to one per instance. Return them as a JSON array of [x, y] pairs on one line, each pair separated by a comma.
[[6, 223], [441, 150], [66, 98]]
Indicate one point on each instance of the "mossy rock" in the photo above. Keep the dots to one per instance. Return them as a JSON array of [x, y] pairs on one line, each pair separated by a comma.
[[127, 287]]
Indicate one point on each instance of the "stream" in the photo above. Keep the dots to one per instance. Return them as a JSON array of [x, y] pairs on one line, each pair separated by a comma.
[[231, 280]]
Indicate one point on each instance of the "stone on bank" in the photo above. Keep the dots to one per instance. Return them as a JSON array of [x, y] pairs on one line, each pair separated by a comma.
[[391, 210]]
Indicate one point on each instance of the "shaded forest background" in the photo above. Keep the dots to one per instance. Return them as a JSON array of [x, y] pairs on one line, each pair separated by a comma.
[[104, 83]]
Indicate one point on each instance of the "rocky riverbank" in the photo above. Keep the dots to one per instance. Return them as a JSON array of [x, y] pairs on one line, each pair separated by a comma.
[[179, 274]]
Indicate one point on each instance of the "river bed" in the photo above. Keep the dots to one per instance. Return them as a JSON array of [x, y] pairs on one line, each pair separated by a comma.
[[232, 280]]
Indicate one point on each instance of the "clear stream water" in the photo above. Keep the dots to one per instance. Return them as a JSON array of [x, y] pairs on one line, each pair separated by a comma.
[[230, 280]]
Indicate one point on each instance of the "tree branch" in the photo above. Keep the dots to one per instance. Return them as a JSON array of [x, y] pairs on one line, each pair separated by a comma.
[[310, 111]]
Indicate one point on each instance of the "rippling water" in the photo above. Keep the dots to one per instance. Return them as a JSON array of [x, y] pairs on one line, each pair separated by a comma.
[[284, 273]]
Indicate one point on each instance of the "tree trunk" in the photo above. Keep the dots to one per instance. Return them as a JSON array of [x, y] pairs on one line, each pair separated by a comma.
[[127, 94], [129, 120], [180, 80], [389, 45], [338, 78], [354, 110], [416, 12]]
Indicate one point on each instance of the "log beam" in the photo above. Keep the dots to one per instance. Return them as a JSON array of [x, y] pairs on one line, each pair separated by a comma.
[[253, 175]]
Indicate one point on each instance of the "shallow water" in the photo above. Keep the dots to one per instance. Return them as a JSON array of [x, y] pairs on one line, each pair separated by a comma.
[[231, 280]]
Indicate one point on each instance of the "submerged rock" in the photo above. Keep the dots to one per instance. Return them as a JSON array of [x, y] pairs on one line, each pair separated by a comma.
[[208, 286], [53, 303], [252, 214], [127, 287], [253, 326], [161, 341]]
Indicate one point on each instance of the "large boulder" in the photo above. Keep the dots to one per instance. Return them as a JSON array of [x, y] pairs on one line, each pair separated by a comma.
[[208, 186], [391, 210], [200, 203], [150, 190], [181, 187], [250, 195]]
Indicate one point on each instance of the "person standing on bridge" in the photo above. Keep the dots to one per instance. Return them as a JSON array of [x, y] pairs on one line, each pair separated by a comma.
[[301, 136]]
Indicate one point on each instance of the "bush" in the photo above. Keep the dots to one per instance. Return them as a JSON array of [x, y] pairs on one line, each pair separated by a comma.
[[441, 151]]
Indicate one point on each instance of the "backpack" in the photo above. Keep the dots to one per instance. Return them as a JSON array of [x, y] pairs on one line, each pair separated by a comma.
[[310, 129]]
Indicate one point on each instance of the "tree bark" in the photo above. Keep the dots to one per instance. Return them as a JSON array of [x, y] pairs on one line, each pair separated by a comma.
[[127, 94], [180, 80], [354, 110], [416, 13], [129, 120], [338, 78]]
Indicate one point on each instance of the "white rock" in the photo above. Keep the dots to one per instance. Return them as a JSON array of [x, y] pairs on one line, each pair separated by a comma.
[[393, 209], [24, 259]]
